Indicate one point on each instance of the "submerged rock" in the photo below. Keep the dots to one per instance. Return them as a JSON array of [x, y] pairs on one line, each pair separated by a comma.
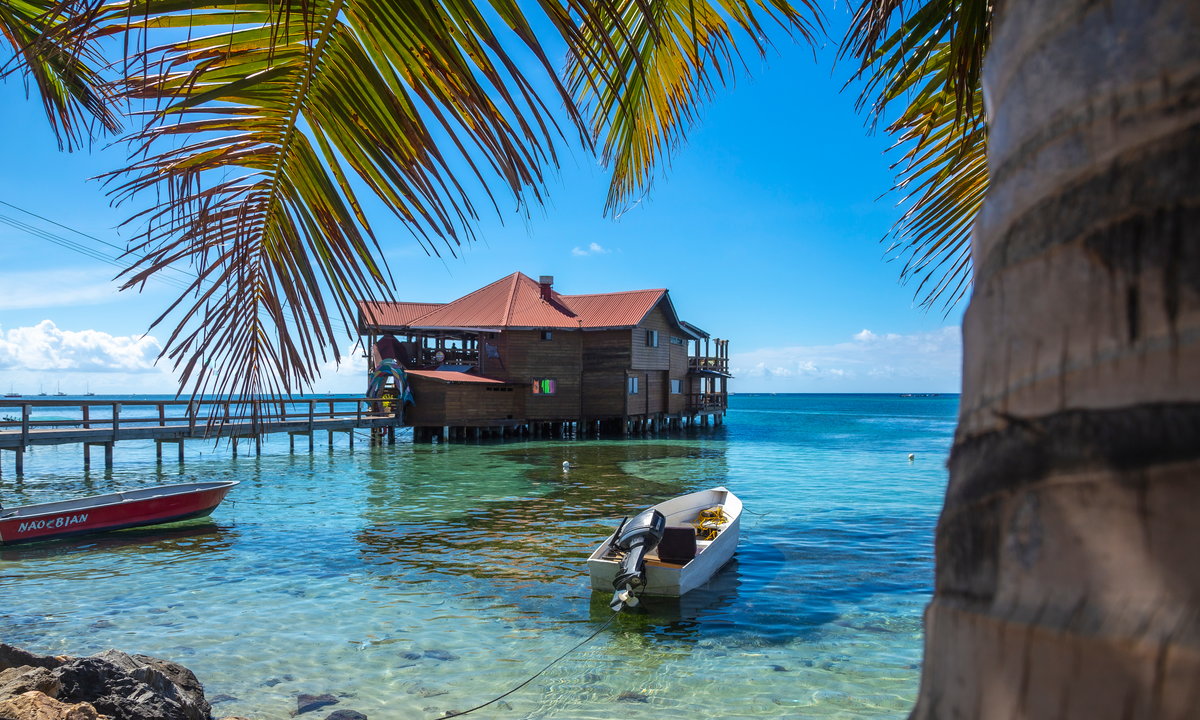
[[35, 705], [308, 703], [440, 655], [345, 715], [630, 696]]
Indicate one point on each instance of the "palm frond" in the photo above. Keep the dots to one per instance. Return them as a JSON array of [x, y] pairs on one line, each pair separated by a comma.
[[648, 66], [50, 45], [263, 133], [931, 60]]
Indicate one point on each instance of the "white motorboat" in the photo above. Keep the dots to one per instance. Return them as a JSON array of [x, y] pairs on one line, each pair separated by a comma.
[[668, 549]]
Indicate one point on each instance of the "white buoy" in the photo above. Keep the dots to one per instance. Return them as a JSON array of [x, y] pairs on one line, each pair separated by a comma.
[[566, 466], [911, 457]]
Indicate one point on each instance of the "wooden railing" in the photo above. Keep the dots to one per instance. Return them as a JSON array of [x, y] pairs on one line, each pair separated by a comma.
[[716, 364], [701, 402]]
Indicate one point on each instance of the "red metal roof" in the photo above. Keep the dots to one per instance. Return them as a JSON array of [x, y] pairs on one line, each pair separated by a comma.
[[619, 309], [516, 301], [453, 376], [391, 314]]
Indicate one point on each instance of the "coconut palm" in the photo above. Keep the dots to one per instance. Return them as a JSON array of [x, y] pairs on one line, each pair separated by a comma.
[[1066, 581]]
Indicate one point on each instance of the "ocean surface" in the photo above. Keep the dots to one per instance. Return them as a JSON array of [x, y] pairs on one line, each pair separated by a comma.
[[411, 580]]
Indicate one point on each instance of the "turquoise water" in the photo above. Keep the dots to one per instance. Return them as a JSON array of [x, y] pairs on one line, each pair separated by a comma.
[[412, 580]]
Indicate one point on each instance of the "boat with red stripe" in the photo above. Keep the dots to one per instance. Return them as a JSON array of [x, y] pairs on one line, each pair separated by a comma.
[[113, 511]]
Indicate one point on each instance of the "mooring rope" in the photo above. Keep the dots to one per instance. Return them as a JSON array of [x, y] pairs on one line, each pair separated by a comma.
[[533, 677]]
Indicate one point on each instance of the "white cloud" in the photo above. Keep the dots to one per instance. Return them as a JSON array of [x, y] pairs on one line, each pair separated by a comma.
[[46, 358], [47, 347], [592, 249], [869, 362], [54, 288]]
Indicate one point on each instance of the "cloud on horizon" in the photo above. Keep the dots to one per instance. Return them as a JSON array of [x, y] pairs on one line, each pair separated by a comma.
[[869, 362]]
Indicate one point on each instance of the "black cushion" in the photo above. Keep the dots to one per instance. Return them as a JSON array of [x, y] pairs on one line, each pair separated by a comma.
[[678, 545]]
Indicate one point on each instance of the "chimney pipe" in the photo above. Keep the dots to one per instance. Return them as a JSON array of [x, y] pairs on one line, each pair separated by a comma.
[[545, 282]]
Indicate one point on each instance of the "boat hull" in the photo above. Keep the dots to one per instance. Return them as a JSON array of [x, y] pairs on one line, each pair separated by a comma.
[[114, 511], [668, 580]]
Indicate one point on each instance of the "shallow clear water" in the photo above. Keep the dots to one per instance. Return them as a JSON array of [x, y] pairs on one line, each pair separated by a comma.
[[411, 580]]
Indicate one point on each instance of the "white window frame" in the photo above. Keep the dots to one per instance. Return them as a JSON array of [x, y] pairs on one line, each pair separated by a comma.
[[632, 385]]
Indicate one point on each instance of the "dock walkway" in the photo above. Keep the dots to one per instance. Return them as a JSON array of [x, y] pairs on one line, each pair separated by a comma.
[[104, 423]]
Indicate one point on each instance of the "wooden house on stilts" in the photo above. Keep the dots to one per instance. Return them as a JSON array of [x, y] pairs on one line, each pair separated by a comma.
[[517, 357]]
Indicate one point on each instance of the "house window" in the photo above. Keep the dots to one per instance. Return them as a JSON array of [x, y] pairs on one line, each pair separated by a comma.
[[633, 386], [676, 340], [651, 338], [545, 386], [547, 335], [676, 386]]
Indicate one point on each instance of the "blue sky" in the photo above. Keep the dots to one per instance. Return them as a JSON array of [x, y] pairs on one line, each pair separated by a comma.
[[765, 227]]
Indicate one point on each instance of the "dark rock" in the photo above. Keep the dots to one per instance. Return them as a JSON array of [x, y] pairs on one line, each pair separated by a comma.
[[167, 678], [114, 691], [593, 677], [272, 682], [15, 681], [345, 715], [630, 696], [412, 656], [101, 624], [220, 698], [308, 703], [11, 657], [779, 668], [440, 655]]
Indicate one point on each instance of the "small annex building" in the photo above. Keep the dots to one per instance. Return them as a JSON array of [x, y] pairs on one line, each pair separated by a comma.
[[517, 355]]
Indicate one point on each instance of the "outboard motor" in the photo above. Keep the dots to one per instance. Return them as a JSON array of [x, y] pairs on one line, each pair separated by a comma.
[[635, 538]]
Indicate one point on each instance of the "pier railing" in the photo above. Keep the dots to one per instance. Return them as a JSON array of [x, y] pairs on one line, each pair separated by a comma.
[[28, 422]]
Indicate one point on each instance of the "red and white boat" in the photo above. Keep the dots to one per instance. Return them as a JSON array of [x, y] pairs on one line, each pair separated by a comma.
[[113, 511]]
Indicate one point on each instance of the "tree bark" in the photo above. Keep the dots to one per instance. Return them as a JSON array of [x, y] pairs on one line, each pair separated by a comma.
[[1068, 550]]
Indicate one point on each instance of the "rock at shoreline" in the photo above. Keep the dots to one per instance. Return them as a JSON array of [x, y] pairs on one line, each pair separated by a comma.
[[116, 684], [35, 705], [14, 657], [18, 680]]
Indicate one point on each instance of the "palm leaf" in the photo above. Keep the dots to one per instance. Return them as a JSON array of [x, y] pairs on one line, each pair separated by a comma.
[[932, 61], [49, 43], [261, 136], [653, 64]]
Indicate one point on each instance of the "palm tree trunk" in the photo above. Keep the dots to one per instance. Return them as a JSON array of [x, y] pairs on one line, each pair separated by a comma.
[[1068, 550]]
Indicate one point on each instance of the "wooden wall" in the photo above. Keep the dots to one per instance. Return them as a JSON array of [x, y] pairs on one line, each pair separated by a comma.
[[527, 358], [606, 357], [439, 403]]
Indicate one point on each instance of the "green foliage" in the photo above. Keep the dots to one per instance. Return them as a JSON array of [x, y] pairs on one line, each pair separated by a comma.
[[49, 45]]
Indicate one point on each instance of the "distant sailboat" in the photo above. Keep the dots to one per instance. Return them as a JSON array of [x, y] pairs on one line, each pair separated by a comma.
[[88, 390], [60, 393], [11, 392]]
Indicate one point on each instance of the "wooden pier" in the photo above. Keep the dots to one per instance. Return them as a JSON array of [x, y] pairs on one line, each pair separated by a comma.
[[101, 424]]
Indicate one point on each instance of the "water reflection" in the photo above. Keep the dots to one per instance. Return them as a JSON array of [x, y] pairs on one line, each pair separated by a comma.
[[199, 536]]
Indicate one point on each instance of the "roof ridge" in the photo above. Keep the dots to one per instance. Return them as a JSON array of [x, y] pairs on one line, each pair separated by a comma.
[[618, 292], [512, 296]]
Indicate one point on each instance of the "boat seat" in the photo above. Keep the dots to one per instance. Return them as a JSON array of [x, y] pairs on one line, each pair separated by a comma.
[[678, 544]]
